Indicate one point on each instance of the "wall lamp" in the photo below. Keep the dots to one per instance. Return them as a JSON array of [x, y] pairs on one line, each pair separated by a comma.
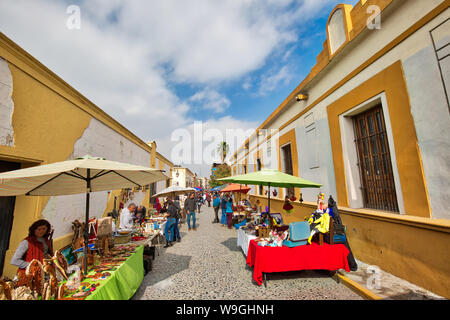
[[301, 97]]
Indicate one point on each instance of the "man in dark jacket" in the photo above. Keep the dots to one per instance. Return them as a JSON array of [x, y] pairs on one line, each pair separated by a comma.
[[176, 232], [172, 214], [208, 199], [199, 201], [216, 205], [190, 205]]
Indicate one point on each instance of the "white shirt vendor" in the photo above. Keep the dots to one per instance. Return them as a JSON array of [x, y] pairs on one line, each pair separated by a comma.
[[126, 218]]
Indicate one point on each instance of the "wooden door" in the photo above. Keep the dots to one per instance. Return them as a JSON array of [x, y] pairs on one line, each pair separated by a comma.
[[374, 161], [259, 166], [6, 215], [288, 168]]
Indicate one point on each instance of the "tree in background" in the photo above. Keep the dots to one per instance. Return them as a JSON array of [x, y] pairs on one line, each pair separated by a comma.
[[218, 172], [223, 149]]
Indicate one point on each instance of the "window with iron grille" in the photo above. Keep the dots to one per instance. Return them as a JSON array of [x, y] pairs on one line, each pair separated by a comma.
[[288, 168], [374, 161]]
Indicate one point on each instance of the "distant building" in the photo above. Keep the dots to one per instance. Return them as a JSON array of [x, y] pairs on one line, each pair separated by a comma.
[[183, 177], [204, 182]]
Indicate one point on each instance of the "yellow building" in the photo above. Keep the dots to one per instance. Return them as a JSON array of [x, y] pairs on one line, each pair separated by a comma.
[[371, 123], [44, 120]]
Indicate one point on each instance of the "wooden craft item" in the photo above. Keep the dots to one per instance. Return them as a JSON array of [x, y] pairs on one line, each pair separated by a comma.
[[104, 227]]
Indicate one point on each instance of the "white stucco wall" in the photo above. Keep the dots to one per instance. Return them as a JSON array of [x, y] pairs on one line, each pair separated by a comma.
[[6, 105], [100, 141], [432, 120]]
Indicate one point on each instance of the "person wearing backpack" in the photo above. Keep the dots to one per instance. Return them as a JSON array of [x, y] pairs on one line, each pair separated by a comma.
[[176, 231]]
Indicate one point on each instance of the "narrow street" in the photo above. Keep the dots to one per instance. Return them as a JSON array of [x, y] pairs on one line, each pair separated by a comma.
[[208, 264]]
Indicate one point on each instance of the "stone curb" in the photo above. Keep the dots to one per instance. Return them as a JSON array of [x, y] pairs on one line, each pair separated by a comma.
[[356, 287]]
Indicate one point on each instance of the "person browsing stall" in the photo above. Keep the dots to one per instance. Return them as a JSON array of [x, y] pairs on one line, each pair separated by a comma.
[[126, 217], [139, 215], [176, 232], [229, 211], [223, 205], [171, 215]]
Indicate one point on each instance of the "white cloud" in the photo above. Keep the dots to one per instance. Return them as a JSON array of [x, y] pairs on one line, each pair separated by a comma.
[[128, 54], [200, 141], [247, 84], [269, 82], [209, 99]]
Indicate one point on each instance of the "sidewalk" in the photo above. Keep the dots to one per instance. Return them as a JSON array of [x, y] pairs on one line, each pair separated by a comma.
[[390, 287]]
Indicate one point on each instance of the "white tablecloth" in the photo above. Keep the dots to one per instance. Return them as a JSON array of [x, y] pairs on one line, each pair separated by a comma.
[[243, 240], [162, 227]]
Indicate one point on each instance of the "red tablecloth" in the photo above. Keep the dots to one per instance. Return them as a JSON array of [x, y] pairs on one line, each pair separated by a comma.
[[308, 257]]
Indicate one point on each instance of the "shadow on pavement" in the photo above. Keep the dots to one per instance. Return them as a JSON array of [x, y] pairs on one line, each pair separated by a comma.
[[296, 275], [173, 264], [411, 295], [231, 244]]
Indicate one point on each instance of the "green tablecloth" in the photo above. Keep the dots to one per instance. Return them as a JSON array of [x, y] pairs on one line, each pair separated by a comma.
[[124, 282]]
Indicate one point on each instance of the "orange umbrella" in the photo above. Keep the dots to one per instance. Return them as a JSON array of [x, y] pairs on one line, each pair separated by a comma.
[[233, 187]]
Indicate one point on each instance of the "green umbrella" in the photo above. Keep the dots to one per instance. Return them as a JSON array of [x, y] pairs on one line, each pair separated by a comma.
[[272, 178]]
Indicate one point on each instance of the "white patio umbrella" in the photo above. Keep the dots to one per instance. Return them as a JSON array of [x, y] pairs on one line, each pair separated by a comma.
[[174, 191], [82, 175]]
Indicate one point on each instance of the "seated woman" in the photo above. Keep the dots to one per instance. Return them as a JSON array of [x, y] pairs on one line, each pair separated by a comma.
[[36, 246]]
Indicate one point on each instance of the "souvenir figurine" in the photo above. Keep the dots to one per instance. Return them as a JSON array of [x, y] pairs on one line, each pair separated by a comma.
[[319, 222], [287, 207], [320, 202]]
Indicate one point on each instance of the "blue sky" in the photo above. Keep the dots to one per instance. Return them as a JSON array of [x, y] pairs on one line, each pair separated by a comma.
[[226, 63]]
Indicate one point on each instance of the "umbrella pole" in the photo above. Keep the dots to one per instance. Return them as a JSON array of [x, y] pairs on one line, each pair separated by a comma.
[[268, 200], [86, 225]]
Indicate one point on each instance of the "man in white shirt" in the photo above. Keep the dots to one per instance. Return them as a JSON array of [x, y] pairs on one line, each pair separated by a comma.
[[126, 217]]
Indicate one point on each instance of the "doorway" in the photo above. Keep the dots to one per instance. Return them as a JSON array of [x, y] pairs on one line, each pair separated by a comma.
[[6, 215]]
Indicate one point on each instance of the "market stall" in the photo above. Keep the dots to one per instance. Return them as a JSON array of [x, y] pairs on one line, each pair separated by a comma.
[[272, 246], [112, 278], [239, 210], [42, 279], [307, 257]]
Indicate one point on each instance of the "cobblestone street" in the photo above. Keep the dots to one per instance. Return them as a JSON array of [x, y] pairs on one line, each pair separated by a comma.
[[208, 264]]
